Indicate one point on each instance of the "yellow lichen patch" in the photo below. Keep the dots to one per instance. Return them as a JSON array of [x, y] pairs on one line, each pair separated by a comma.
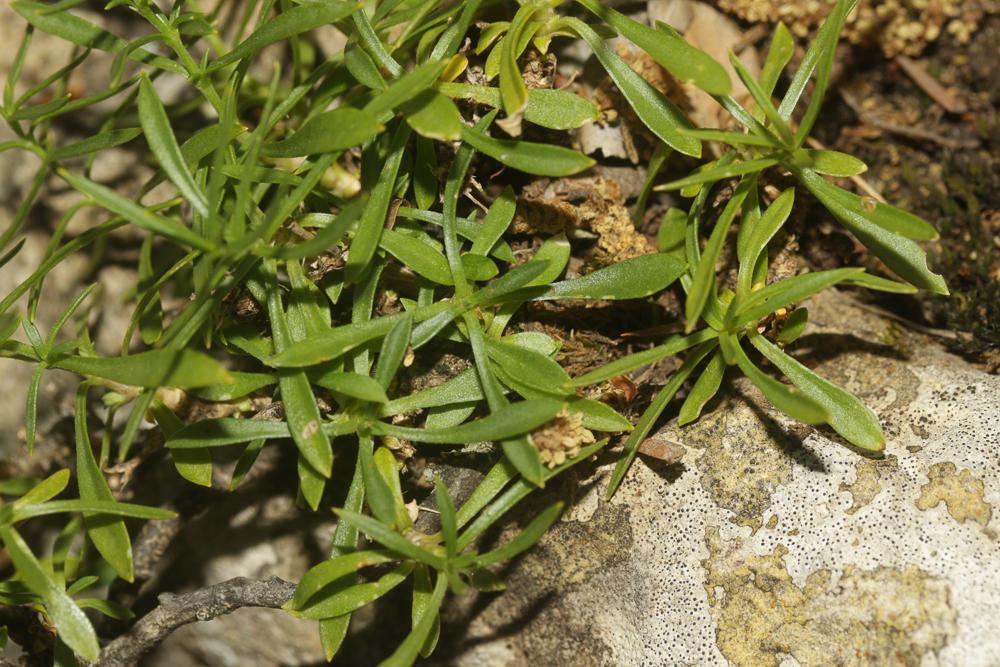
[[561, 439], [958, 490], [867, 617], [866, 481], [898, 26], [741, 465]]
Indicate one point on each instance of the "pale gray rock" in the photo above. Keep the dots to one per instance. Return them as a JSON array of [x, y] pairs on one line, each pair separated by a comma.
[[772, 544]]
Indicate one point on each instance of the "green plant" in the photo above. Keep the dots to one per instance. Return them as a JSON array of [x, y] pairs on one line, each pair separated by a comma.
[[254, 185]]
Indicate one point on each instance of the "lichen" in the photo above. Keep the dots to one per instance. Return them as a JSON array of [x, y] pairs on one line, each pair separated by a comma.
[[867, 617], [959, 490], [738, 469], [866, 486]]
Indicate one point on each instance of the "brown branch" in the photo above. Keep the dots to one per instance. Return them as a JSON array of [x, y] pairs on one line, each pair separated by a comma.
[[201, 605]]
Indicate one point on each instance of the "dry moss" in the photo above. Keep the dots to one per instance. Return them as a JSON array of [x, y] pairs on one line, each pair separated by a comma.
[[897, 26]]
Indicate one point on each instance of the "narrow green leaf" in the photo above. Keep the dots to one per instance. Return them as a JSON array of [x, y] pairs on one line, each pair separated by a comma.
[[184, 369], [655, 111], [242, 384], [230, 431], [497, 220], [295, 21], [847, 415], [553, 109], [328, 572], [78, 31], [405, 88], [525, 539], [301, 411], [449, 526], [778, 55], [72, 625], [637, 360], [633, 278], [507, 422], [869, 281], [529, 367], [162, 142], [423, 590], [434, 116], [705, 387], [102, 141], [416, 255], [529, 157], [513, 494], [793, 326], [95, 507], [788, 291], [135, 213], [835, 163], [761, 233], [652, 414], [719, 172], [48, 488], [354, 385], [377, 493], [762, 99], [352, 598], [668, 49], [793, 402], [110, 536], [330, 131], [425, 180], [372, 222], [703, 279], [389, 538], [406, 653], [886, 216], [394, 347]]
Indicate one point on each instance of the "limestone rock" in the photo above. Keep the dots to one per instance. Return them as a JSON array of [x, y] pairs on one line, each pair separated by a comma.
[[773, 544]]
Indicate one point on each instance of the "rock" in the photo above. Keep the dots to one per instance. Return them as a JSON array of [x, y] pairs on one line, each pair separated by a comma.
[[771, 543]]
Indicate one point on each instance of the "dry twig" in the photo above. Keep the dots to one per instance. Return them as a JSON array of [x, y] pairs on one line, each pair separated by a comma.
[[201, 605]]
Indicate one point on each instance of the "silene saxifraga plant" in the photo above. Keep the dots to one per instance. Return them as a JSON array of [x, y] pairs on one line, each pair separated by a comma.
[[301, 197]]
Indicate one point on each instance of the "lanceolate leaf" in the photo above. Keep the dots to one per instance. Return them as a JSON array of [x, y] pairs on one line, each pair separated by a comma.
[[551, 108], [71, 624], [134, 213], [705, 387], [514, 419], [184, 369], [160, 137], [794, 403], [652, 414], [230, 431], [328, 132], [848, 416], [655, 111], [405, 88], [78, 31], [788, 291], [529, 157], [633, 278], [109, 535], [668, 49], [293, 22]]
